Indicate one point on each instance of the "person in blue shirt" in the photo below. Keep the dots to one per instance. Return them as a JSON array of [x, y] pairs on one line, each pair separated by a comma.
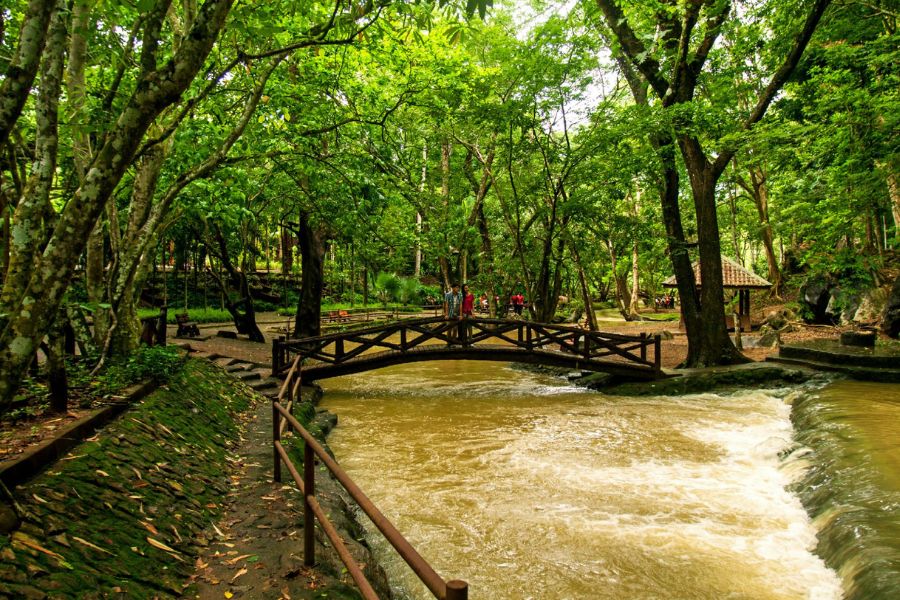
[[452, 308]]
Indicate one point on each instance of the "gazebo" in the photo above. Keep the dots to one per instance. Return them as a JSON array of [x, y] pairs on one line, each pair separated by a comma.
[[734, 277]]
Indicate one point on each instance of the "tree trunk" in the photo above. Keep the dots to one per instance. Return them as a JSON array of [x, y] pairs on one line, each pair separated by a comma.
[[715, 346], [894, 189], [307, 322], [590, 315], [287, 252], [633, 304], [156, 88], [56, 366], [758, 190], [24, 66], [623, 297]]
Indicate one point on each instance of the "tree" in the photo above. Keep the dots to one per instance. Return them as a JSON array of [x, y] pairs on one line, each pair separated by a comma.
[[672, 72]]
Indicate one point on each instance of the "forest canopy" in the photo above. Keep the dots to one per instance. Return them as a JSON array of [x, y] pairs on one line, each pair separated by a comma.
[[585, 149]]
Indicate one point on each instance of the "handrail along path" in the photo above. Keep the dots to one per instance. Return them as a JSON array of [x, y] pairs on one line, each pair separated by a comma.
[[282, 419]]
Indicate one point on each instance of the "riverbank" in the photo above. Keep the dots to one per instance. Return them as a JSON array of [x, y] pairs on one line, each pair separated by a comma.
[[175, 499]]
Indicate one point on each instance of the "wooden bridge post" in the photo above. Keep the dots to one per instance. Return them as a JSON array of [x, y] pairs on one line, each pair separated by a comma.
[[338, 349], [403, 339], [276, 439], [309, 518], [657, 354], [276, 355], [528, 331], [643, 346]]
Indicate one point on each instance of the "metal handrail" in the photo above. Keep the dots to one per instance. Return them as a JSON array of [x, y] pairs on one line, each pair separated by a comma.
[[281, 415]]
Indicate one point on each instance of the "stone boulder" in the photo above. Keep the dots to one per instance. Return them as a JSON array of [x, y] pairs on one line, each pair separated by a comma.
[[872, 305], [890, 322], [842, 305], [816, 297], [768, 337]]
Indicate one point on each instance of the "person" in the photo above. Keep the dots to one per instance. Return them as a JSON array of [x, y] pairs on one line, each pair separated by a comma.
[[468, 302], [483, 301], [452, 305], [519, 303]]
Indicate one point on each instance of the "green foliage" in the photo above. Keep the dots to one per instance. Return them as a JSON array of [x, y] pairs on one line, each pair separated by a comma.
[[387, 288], [159, 363]]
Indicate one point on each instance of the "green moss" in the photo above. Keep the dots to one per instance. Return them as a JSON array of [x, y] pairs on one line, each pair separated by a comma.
[[157, 472]]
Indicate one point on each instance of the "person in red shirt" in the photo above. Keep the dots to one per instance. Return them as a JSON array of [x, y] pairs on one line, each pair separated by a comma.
[[468, 302]]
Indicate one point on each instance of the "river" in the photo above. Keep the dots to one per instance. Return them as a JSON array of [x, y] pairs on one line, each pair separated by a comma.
[[528, 487]]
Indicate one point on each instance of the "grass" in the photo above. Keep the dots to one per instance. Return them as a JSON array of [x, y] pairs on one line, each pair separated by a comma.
[[197, 315]]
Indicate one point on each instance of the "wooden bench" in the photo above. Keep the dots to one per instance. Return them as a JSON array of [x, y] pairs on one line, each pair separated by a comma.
[[337, 316], [186, 328]]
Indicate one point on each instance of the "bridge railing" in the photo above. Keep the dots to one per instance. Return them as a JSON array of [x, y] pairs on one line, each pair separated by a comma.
[[282, 417], [405, 336]]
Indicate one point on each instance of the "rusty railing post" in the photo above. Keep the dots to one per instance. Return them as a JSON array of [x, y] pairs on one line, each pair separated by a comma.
[[657, 356], [457, 590], [309, 519], [276, 439]]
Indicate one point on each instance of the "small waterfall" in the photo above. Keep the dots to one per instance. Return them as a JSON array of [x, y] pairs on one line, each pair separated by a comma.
[[850, 437]]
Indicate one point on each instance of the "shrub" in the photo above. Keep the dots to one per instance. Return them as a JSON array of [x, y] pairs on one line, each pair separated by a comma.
[[158, 363]]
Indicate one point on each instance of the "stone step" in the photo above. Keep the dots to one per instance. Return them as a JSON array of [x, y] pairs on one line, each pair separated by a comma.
[[238, 366], [226, 361], [264, 384], [246, 375]]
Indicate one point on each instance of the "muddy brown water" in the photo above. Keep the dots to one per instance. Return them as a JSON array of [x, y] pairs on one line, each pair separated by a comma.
[[528, 487]]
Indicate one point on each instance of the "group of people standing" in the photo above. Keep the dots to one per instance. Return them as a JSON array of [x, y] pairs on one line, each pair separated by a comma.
[[459, 304]]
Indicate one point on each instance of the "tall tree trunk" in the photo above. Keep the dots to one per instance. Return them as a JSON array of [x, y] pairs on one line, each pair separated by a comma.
[[590, 315], [156, 88], [22, 70], [307, 322], [623, 296], [716, 346], [287, 252], [758, 189], [422, 181], [633, 304], [893, 181], [446, 149]]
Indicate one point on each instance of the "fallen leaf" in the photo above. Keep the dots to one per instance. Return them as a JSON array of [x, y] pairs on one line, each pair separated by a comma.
[[25, 540], [237, 558], [177, 536], [219, 531], [39, 499], [90, 545], [149, 527], [103, 473], [239, 573], [160, 545], [229, 595]]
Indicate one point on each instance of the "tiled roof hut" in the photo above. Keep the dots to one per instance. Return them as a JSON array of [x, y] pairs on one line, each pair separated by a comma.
[[734, 277]]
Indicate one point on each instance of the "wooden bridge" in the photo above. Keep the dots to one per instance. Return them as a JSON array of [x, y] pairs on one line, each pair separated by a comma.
[[344, 353]]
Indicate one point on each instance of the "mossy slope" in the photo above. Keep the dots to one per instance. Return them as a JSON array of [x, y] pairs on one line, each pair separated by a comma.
[[97, 524]]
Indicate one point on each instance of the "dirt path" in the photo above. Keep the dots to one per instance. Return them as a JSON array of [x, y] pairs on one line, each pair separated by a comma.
[[256, 548]]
